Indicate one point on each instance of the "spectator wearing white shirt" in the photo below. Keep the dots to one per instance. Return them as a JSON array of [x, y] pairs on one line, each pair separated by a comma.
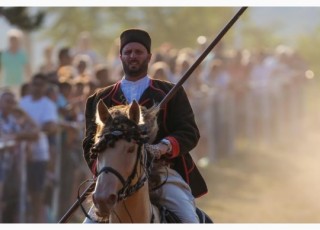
[[44, 112]]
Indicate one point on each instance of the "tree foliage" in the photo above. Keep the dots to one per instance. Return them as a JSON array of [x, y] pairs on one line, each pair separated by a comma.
[[20, 17], [177, 25], [306, 47], [257, 38]]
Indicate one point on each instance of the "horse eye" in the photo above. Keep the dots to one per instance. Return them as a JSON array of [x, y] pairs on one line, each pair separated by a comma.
[[131, 149]]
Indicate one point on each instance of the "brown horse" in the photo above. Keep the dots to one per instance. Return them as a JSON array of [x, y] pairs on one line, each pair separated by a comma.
[[126, 173], [122, 190]]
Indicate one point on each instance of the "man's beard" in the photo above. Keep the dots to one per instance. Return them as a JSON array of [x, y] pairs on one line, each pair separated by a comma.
[[135, 72]]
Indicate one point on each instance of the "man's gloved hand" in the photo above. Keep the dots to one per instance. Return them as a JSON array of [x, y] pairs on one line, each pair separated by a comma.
[[159, 149]]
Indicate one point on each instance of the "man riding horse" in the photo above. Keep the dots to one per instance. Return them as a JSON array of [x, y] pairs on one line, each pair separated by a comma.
[[178, 132]]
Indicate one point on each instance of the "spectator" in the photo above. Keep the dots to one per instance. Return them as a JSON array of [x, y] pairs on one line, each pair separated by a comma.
[[44, 112], [64, 70], [14, 62], [48, 66], [161, 70], [84, 47], [8, 150], [24, 89], [82, 66], [102, 75], [15, 126]]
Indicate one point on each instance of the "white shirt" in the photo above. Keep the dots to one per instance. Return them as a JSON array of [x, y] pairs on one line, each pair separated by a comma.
[[41, 111], [133, 90]]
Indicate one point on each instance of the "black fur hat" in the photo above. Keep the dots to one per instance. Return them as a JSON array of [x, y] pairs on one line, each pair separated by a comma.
[[135, 35]]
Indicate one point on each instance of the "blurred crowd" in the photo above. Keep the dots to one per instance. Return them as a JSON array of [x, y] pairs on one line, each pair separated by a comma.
[[238, 96]]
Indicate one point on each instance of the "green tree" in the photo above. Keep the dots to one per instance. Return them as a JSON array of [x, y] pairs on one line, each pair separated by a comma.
[[20, 17], [306, 47], [177, 25], [257, 38]]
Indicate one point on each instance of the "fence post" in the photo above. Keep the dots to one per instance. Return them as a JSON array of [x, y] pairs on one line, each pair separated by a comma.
[[23, 183], [57, 175]]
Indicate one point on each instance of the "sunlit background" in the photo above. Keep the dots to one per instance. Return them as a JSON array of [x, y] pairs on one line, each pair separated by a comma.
[[259, 27], [260, 160]]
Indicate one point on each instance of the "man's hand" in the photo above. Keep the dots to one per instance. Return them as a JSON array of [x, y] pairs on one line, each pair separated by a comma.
[[158, 150]]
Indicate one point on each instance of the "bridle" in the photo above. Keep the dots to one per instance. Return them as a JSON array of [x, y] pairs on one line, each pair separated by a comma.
[[123, 128]]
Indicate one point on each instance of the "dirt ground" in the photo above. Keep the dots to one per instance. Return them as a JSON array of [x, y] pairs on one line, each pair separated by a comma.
[[273, 184]]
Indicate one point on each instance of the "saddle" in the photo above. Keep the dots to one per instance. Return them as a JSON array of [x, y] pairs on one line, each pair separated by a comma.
[[168, 217]]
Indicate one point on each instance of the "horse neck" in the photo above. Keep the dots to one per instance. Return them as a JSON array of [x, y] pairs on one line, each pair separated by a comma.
[[137, 208]]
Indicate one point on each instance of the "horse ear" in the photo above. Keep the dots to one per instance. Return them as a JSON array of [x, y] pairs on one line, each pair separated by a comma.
[[134, 112], [103, 114]]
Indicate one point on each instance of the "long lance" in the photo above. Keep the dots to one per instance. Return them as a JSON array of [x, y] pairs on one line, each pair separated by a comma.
[[187, 74], [77, 203], [165, 100]]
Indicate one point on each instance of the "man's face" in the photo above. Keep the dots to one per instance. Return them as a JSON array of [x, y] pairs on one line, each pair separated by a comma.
[[135, 60], [7, 102], [38, 87], [14, 42]]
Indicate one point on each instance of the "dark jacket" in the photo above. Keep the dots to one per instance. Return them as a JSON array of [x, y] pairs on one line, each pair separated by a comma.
[[176, 122]]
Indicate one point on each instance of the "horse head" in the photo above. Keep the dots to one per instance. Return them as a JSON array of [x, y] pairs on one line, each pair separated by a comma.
[[122, 164]]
